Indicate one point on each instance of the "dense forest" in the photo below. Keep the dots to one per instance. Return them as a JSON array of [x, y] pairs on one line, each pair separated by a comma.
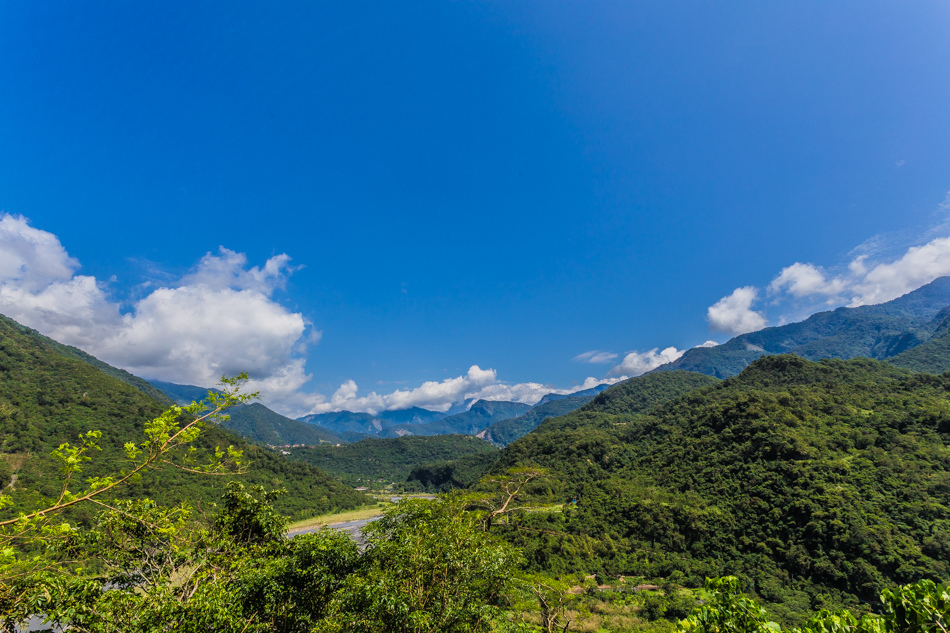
[[390, 460], [820, 484], [811, 494]]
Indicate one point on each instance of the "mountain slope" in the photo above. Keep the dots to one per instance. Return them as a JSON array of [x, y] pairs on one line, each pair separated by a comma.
[[482, 414], [354, 426], [389, 459], [47, 398], [255, 421], [631, 397], [932, 357], [258, 423], [182, 394], [813, 481], [507, 431], [878, 331]]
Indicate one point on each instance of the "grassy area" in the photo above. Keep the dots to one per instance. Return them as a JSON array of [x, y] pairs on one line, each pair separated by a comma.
[[366, 512]]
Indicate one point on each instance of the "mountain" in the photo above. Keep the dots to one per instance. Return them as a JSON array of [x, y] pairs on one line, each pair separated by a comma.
[[386, 424], [482, 414], [182, 394], [258, 423], [818, 483], [255, 421], [443, 476], [932, 357], [507, 431], [550, 406], [389, 459], [593, 391], [354, 426], [880, 331], [413, 415], [48, 397]]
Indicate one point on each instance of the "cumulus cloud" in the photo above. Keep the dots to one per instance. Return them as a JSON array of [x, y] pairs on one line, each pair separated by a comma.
[[708, 344], [218, 319], [476, 384], [888, 280], [801, 280], [733, 314], [595, 357], [880, 272], [639, 363]]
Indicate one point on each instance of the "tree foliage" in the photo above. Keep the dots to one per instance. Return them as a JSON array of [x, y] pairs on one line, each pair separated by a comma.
[[819, 483]]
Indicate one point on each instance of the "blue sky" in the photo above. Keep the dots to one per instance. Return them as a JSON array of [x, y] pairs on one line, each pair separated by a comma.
[[521, 187]]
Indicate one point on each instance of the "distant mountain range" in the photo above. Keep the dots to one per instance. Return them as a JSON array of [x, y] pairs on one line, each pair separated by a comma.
[[910, 331]]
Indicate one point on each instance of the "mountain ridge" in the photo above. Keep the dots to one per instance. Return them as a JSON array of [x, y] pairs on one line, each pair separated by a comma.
[[880, 331]]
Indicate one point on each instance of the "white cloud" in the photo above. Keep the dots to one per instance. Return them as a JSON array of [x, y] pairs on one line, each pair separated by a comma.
[[708, 344], [885, 281], [802, 280], [219, 319], [476, 384], [639, 363], [880, 271], [432, 395], [595, 357], [733, 314]]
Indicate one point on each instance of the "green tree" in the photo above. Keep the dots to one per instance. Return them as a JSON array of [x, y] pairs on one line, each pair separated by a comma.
[[429, 567]]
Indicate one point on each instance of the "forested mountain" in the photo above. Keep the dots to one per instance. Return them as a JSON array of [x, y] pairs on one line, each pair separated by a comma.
[[355, 426], [389, 459], [881, 331], [932, 357], [507, 431], [182, 394], [820, 483], [482, 414], [635, 396], [256, 422], [48, 397]]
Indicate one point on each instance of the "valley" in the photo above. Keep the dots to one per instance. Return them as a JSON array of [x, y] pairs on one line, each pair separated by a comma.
[[818, 483]]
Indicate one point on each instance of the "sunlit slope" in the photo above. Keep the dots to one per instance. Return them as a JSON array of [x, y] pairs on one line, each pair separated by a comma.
[[47, 398], [807, 478], [631, 397]]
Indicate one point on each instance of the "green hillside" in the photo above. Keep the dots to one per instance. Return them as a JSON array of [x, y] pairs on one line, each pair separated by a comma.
[[507, 431], [932, 357], [390, 459], [447, 475], [818, 483], [47, 398], [634, 396], [255, 421], [258, 423], [879, 331]]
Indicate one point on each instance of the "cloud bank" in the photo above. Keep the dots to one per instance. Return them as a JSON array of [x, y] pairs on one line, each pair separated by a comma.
[[476, 384]]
